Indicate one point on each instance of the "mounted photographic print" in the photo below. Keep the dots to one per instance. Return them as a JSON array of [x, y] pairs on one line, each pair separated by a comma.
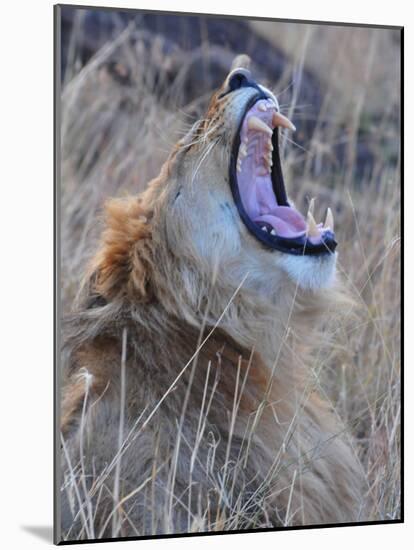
[[228, 212]]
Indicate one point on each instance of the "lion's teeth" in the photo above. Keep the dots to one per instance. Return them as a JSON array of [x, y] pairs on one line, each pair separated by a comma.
[[280, 120], [311, 206], [273, 232], [262, 107], [268, 161], [269, 145], [243, 150], [313, 230], [264, 228], [254, 123], [329, 220]]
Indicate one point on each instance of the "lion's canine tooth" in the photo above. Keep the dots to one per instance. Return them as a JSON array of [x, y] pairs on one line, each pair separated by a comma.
[[280, 120], [264, 228], [313, 230], [329, 220], [312, 205], [273, 232], [254, 123]]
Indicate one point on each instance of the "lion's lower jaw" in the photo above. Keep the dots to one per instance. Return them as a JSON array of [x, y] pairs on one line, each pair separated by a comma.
[[310, 272]]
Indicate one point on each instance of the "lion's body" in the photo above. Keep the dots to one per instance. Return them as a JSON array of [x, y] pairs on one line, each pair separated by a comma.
[[190, 395]]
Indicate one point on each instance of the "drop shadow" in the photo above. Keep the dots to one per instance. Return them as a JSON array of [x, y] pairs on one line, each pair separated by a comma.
[[43, 532]]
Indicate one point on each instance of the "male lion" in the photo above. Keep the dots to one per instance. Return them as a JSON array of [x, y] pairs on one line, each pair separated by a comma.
[[189, 403]]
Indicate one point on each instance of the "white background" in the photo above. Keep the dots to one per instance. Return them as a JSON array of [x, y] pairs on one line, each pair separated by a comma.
[[26, 261]]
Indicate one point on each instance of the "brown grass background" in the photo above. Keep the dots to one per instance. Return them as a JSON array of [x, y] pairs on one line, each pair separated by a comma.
[[129, 93]]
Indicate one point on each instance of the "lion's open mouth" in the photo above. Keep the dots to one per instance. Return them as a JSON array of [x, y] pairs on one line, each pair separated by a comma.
[[259, 191]]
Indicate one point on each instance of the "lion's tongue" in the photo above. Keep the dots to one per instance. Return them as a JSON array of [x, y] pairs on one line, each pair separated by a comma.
[[286, 221], [260, 203]]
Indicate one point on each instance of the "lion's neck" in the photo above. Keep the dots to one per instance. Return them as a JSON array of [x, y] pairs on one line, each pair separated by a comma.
[[269, 325]]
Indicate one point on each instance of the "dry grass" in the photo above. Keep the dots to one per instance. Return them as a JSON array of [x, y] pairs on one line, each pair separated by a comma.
[[114, 138]]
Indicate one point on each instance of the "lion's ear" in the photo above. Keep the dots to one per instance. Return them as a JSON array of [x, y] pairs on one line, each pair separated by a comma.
[[123, 263]]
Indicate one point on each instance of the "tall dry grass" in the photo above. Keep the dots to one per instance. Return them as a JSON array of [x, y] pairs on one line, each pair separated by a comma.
[[116, 135]]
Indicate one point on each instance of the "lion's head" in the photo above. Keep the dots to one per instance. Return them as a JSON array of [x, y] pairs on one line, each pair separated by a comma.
[[218, 211], [225, 199]]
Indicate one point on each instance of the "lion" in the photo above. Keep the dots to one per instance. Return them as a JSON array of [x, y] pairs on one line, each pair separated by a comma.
[[189, 402]]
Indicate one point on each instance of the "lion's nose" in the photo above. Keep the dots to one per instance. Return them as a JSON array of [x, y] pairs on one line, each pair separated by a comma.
[[239, 79]]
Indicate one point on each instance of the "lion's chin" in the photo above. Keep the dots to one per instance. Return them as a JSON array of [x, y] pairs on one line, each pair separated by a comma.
[[310, 272]]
